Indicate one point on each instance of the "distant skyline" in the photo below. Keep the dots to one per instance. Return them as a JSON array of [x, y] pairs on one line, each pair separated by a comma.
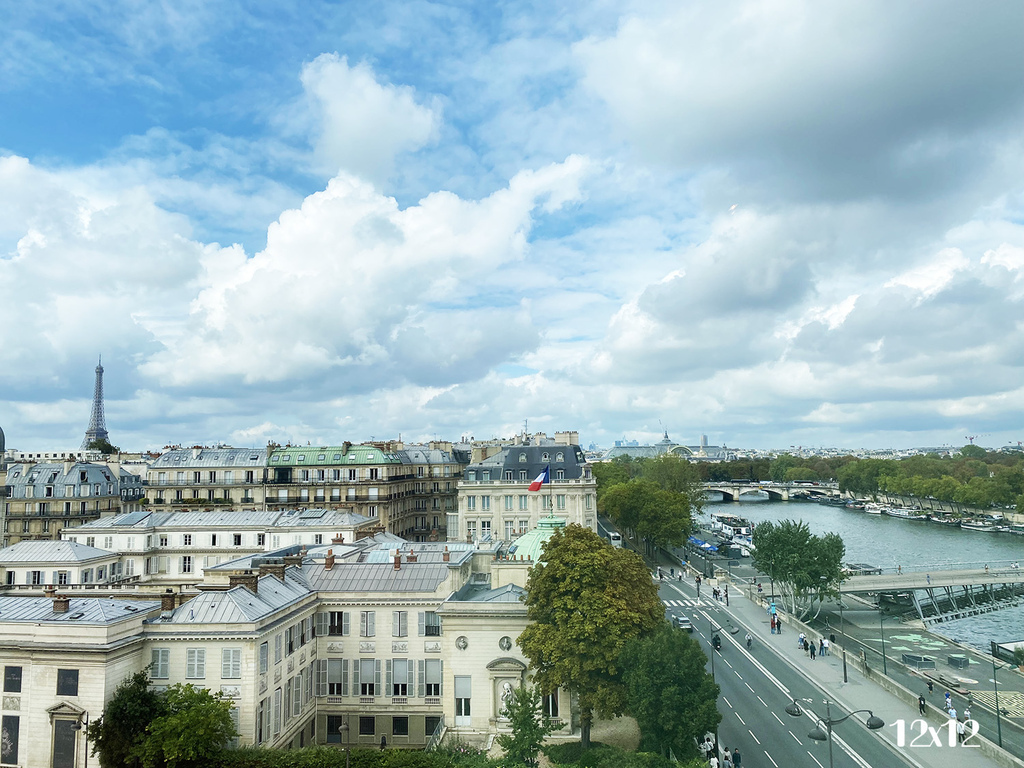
[[785, 223]]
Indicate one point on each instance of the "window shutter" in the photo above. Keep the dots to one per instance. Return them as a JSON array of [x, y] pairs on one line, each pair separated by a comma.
[[421, 689], [355, 677], [344, 677], [441, 689], [231, 663], [411, 679], [321, 677], [371, 626], [388, 679], [344, 623], [321, 623], [396, 623], [422, 623], [287, 701], [376, 677]]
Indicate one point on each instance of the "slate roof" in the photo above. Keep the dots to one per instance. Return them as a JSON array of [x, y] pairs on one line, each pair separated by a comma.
[[531, 458], [51, 552], [472, 593], [81, 610], [183, 458], [240, 519]]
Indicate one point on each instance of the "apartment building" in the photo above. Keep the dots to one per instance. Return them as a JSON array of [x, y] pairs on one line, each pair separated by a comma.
[[190, 478], [46, 498]]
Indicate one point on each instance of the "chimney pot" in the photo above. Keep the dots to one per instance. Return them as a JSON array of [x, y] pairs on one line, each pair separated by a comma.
[[329, 560], [61, 603], [167, 601], [412, 556], [398, 561], [447, 555]]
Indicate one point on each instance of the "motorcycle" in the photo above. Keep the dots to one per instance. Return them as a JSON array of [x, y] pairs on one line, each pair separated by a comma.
[[717, 643]]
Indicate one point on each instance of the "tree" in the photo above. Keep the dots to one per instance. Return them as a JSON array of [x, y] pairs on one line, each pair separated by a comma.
[[658, 516], [803, 566], [669, 692], [585, 600], [119, 731], [529, 727], [195, 726], [103, 446]]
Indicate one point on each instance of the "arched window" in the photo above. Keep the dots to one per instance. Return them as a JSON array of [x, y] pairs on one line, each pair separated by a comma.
[[522, 458]]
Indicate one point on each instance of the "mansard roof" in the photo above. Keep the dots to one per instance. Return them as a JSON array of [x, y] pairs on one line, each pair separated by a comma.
[[51, 552], [313, 456], [533, 459], [227, 458], [81, 610]]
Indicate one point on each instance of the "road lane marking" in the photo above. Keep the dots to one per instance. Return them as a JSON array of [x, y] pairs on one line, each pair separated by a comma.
[[796, 739], [764, 702], [815, 759], [727, 702], [770, 758], [727, 663], [779, 719], [751, 689], [738, 716], [753, 736]]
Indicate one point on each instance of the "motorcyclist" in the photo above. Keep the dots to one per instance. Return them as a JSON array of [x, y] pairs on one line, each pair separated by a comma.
[[749, 640], [717, 642]]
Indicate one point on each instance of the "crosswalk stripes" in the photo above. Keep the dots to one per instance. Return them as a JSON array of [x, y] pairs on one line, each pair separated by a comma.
[[684, 603]]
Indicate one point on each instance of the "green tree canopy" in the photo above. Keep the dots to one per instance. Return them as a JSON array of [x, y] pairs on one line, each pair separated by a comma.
[[194, 727], [585, 600], [804, 567], [119, 732], [669, 692], [661, 517], [103, 446]]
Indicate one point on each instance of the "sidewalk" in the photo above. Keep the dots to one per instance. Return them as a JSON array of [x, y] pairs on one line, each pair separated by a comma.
[[863, 691]]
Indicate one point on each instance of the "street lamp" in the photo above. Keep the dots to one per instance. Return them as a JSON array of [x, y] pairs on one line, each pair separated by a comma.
[[842, 629], [999, 722], [343, 730], [881, 631], [873, 723], [83, 726]]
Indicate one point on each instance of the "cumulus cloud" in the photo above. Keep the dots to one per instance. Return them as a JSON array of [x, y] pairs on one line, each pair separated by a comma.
[[359, 125]]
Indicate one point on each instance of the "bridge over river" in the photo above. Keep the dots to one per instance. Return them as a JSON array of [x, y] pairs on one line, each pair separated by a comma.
[[944, 594], [731, 490]]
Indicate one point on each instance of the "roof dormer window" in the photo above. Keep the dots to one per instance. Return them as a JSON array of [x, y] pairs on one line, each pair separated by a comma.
[[522, 458]]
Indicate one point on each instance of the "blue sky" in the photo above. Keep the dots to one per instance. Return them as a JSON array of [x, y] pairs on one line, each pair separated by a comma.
[[774, 223]]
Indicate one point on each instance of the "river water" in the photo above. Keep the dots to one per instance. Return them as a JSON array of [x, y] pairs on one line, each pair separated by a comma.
[[889, 542]]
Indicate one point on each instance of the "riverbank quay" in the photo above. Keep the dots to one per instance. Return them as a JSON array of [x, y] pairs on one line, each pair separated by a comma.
[[863, 687]]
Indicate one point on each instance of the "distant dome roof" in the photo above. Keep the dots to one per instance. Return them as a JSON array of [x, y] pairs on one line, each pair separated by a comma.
[[531, 544], [2, 448]]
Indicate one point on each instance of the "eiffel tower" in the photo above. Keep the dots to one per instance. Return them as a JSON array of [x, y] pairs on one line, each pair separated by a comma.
[[97, 422]]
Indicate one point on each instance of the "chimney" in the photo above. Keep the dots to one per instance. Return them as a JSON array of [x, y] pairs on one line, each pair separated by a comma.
[[196, 451], [67, 467], [411, 558], [61, 603], [272, 569], [292, 560], [329, 560], [247, 579], [447, 555], [168, 602], [398, 560], [338, 539]]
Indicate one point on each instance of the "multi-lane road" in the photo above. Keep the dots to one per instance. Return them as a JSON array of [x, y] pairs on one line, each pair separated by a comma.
[[756, 687]]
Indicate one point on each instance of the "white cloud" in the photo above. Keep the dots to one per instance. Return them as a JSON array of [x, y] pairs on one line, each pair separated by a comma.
[[359, 125]]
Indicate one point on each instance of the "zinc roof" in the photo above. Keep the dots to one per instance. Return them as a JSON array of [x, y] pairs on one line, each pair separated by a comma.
[[81, 610], [377, 577], [239, 605], [51, 552], [180, 458]]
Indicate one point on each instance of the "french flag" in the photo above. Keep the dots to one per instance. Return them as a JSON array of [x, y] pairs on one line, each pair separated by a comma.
[[543, 478]]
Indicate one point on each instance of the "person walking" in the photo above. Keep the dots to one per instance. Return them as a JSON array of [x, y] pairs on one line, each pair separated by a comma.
[[726, 595], [821, 647], [920, 703], [967, 712], [736, 759], [961, 730], [727, 758], [949, 701], [778, 625], [931, 687], [811, 644], [713, 762]]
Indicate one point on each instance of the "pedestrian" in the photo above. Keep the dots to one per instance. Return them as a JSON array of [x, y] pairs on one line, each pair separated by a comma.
[[800, 640], [931, 687], [750, 641], [778, 625], [672, 572], [986, 568], [821, 647], [773, 624], [949, 701], [383, 742], [899, 569], [952, 713], [826, 646], [726, 595], [713, 762], [967, 712], [960, 730], [920, 703], [760, 589], [928, 576], [727, 758], [736, 761], [811, 644]]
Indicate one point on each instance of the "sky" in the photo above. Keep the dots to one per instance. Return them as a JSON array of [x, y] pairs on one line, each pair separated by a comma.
[[772, 223]]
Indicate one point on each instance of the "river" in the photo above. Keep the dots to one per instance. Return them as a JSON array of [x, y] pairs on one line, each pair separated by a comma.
[[889, 542]]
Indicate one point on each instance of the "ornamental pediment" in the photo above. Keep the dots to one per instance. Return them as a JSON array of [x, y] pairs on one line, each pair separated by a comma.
[[507, 664]]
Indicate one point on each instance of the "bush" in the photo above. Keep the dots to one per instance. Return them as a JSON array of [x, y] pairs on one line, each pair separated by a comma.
[[604, 756]]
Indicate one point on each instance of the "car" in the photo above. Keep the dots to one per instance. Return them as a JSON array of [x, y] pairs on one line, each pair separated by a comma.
[[682, 622]]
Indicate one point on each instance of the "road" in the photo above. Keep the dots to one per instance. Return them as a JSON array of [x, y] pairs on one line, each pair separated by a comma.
[[757, 685]]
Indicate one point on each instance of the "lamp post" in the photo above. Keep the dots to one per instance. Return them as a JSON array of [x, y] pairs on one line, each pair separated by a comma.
[[842, 630], [999, 722], [343, 730], [83, 726], [881, 631], [873, 723]]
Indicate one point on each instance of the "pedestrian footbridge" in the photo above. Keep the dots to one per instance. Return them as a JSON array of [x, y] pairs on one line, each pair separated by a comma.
[[944, 594]]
